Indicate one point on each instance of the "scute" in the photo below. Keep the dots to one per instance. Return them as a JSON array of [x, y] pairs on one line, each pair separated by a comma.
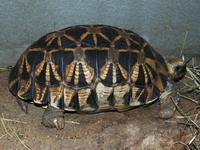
[[111, 33], [89, 68], [76, 32]]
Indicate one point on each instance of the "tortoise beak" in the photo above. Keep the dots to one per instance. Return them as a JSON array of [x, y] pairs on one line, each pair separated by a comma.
[[183, 66], [186, 61]]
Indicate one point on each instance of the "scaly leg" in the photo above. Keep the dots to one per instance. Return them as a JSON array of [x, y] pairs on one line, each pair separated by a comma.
[[53, 118], [167, 107]]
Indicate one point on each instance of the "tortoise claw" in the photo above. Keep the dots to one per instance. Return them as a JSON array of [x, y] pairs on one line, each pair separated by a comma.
[[59, 123], [23, 105], [53, 118]]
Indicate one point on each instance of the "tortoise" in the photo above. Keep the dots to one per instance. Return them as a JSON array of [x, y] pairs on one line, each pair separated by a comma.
[[90, 69]]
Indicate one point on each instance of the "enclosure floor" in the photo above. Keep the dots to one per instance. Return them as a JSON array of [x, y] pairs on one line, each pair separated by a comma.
[[138, 129]]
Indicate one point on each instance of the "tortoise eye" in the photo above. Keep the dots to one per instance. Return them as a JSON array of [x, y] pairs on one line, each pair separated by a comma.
[[178, 68]]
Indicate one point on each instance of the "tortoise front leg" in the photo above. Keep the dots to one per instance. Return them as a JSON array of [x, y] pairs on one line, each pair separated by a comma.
[[53, 118], [167, 107], [23, 105]]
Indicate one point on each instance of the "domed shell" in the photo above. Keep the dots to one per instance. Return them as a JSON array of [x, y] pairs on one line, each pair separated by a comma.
[[89, 68]]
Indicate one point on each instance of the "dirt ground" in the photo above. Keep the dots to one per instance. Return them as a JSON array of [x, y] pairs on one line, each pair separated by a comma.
[[138, 129]]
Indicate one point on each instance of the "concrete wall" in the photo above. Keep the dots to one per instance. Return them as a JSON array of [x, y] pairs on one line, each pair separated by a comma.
[[162, 22]]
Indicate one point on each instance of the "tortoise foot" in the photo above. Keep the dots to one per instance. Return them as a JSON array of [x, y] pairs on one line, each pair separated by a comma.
[[167, 107], [167, 113], [53, 118], [23, 105]]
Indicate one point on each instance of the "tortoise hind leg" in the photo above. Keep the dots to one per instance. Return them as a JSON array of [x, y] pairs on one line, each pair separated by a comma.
[[53, 118], [23, 105]]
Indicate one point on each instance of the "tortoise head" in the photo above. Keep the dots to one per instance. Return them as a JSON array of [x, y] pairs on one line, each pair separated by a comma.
[[177, 68]]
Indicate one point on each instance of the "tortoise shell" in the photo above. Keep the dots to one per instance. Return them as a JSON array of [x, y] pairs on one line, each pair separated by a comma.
[[89, 68]]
